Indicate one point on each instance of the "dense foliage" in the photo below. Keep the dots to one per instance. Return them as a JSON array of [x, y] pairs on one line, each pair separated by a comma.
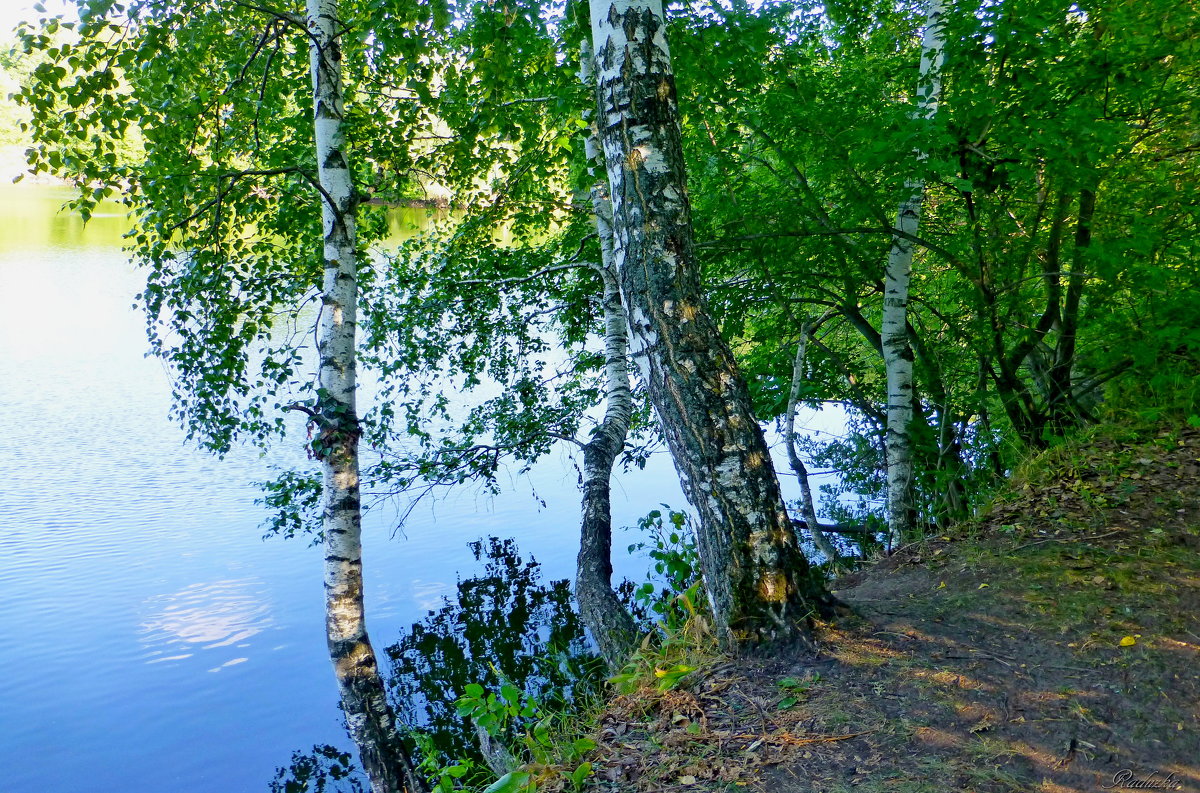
[[1055, 259], [1058, 248]]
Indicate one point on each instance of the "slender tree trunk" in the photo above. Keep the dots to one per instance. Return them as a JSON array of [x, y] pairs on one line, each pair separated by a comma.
[[759, 584], [603, 613], [599, 606], [798, 467], [364, 699], [897, 354]]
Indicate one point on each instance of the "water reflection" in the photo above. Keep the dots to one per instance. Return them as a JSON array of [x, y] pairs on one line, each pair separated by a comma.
[[429, 595], [33, 224], [213, 615]]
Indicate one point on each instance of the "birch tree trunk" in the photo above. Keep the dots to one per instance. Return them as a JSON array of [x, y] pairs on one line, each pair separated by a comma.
[[364, 699], [759, 584], [897, 353], [601, 609], [599, 606]]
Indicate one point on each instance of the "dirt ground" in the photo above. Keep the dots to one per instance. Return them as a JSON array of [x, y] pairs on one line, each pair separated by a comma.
[[1051, 647]]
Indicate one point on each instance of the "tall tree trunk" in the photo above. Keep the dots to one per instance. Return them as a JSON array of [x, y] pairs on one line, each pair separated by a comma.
[[798, 467], [364, 699], [599, 606], [759, 584], [897, 354]]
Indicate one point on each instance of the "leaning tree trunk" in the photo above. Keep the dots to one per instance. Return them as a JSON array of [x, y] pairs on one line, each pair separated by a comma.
[[601, 609], [897, 354], [759, 584], [364, 699], [599, 606]]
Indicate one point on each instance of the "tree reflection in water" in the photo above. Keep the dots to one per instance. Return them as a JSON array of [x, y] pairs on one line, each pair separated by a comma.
[[503, 626]]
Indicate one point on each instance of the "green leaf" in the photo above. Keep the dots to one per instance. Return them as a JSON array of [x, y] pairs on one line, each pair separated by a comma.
[[510, 693], [581, 773], [509, 783]]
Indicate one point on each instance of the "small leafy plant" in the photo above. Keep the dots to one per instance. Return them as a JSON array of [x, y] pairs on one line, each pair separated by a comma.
[[795, 689], [673, 604], [671, 545], [536, 744]]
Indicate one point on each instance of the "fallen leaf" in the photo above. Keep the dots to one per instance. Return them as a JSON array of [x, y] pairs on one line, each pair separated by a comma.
[[1128, 641], [981, 586], [687, 780]]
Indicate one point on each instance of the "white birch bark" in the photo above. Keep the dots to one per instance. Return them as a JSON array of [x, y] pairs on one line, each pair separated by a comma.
[[364, 700], [897, 353]]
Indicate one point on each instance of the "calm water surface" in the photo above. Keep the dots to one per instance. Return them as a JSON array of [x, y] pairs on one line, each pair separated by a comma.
[[151, 641]]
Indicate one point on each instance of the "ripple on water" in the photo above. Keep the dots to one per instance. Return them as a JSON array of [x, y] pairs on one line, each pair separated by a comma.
[[204, 616]]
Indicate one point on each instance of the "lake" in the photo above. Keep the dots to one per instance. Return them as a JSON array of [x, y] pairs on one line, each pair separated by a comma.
[[152, 641]]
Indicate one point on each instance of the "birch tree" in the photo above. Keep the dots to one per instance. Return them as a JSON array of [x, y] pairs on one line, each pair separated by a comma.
[[897, 352], [227, 196], [521, 319], [759, 584], [808, 507], [369, 716], [601, 609]]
